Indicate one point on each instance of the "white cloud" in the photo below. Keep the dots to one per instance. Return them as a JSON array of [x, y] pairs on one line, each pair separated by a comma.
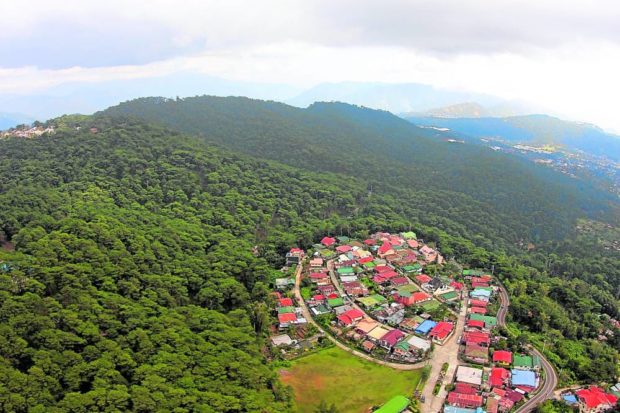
[[563, 55]]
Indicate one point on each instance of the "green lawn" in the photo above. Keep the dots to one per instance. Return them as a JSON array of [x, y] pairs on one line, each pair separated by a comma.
[[306, 293], [351, 383]]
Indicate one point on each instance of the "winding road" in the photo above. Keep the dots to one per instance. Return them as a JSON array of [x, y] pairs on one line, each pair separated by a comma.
[[551, 377], [447, 354]]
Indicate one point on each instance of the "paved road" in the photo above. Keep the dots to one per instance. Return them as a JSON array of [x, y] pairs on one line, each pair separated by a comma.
[[448, 353], [551, 378], [344, 347]]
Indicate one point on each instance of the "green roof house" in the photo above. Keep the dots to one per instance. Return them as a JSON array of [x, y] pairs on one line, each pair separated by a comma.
[[397, 404], [335, 302], [409, 235], [522, 362], [346, 271], [284, 310], [489, 321]]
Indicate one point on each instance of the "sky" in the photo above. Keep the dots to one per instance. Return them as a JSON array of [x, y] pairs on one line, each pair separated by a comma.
[[561, 55]]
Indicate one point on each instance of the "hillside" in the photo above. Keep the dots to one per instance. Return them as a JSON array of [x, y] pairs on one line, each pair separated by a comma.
[[391, 155], [133, 285], [537, 129]]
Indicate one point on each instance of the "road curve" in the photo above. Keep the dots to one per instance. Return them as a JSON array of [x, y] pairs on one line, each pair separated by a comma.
[[308, 316], [551, 378]]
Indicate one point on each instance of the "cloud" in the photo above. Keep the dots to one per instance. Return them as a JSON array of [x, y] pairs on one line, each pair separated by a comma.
[[559, 54]]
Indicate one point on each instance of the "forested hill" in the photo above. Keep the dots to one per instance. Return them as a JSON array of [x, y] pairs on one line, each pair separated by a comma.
[[390, 154], [135, 284]]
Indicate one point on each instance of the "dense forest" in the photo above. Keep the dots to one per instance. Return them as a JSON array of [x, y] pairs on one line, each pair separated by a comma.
[[130, 279], [535, 202]]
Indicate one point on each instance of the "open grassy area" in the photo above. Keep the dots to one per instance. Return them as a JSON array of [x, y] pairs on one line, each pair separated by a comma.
[[351, 383]]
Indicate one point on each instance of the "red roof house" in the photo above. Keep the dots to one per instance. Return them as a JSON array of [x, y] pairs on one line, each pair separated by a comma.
[[423, 278], [476, 337], [398, 281], [328, 241], [456, 285], [465, 388], [594, 398], [441, 330], [286, 318], [464, 400], [343, 248], [383, 268], [391, 338], [502, 357], [350, 317], [319, 298], [478, 310], [478, 303], [365, 259], [370, 241], [385, 249], [285, 302], [475, 324], [498, 377]]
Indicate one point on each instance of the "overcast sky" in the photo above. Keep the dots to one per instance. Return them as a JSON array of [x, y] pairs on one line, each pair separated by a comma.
[[559, 54]]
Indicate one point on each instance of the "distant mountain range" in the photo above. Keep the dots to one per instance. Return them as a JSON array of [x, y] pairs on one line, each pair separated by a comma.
[[529, 129]]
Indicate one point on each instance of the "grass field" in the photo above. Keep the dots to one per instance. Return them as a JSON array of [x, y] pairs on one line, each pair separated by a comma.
[[351, 383]]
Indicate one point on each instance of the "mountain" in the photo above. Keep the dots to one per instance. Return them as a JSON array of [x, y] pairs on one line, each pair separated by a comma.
[[88, 98], [532, 129], [397, 98], [141, 260], [460, 110], [393, 156], [10, 120]]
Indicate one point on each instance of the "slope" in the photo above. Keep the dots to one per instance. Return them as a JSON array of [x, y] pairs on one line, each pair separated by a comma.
[[389, 153]]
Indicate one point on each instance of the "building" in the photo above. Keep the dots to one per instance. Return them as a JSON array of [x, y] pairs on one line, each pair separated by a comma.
[[425, 327], [476, 353], [328, 241], [523, 378], [469, 375], [396, 404], [350, 317], [464, 400], [502, 357], [294, 256], [594, 399], [391, 338], [441, 331], [498, 377], [521, 361], [281, 340], [419, 343], [477, 337]]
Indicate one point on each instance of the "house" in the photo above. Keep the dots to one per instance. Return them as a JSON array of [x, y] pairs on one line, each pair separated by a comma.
[[350, 317], [419, 343], [345, 271], [464, 400], [412, 268], [480, 293], [365, 259], [425, 327], [397, 404], [365, 326], [316, 262], [524, 362], [457, 285], [385, 249], [409, 324], [502, 357], [390, 339], [505, 404], [465, 388], [492, 405], [328, 241], [498, 377], [423, 279], [319, 278], [335, 302], [406, 298], [469, 375], [399, 281], [348, 278], [285, 302], [489, 321], [454, 409], [320, 309], [343, 249], [368, 346], [382, 268], [476, 353], [477, 310], [326, 289], [294, 256], [595, 399], [478, 303], [355, 288], [436, 283], [378, 332], [523, 378], [286, 319], [284, 283], [478, 324], [476, 337], [281, 340], [318, 298], [441, 331], [449, 296]]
